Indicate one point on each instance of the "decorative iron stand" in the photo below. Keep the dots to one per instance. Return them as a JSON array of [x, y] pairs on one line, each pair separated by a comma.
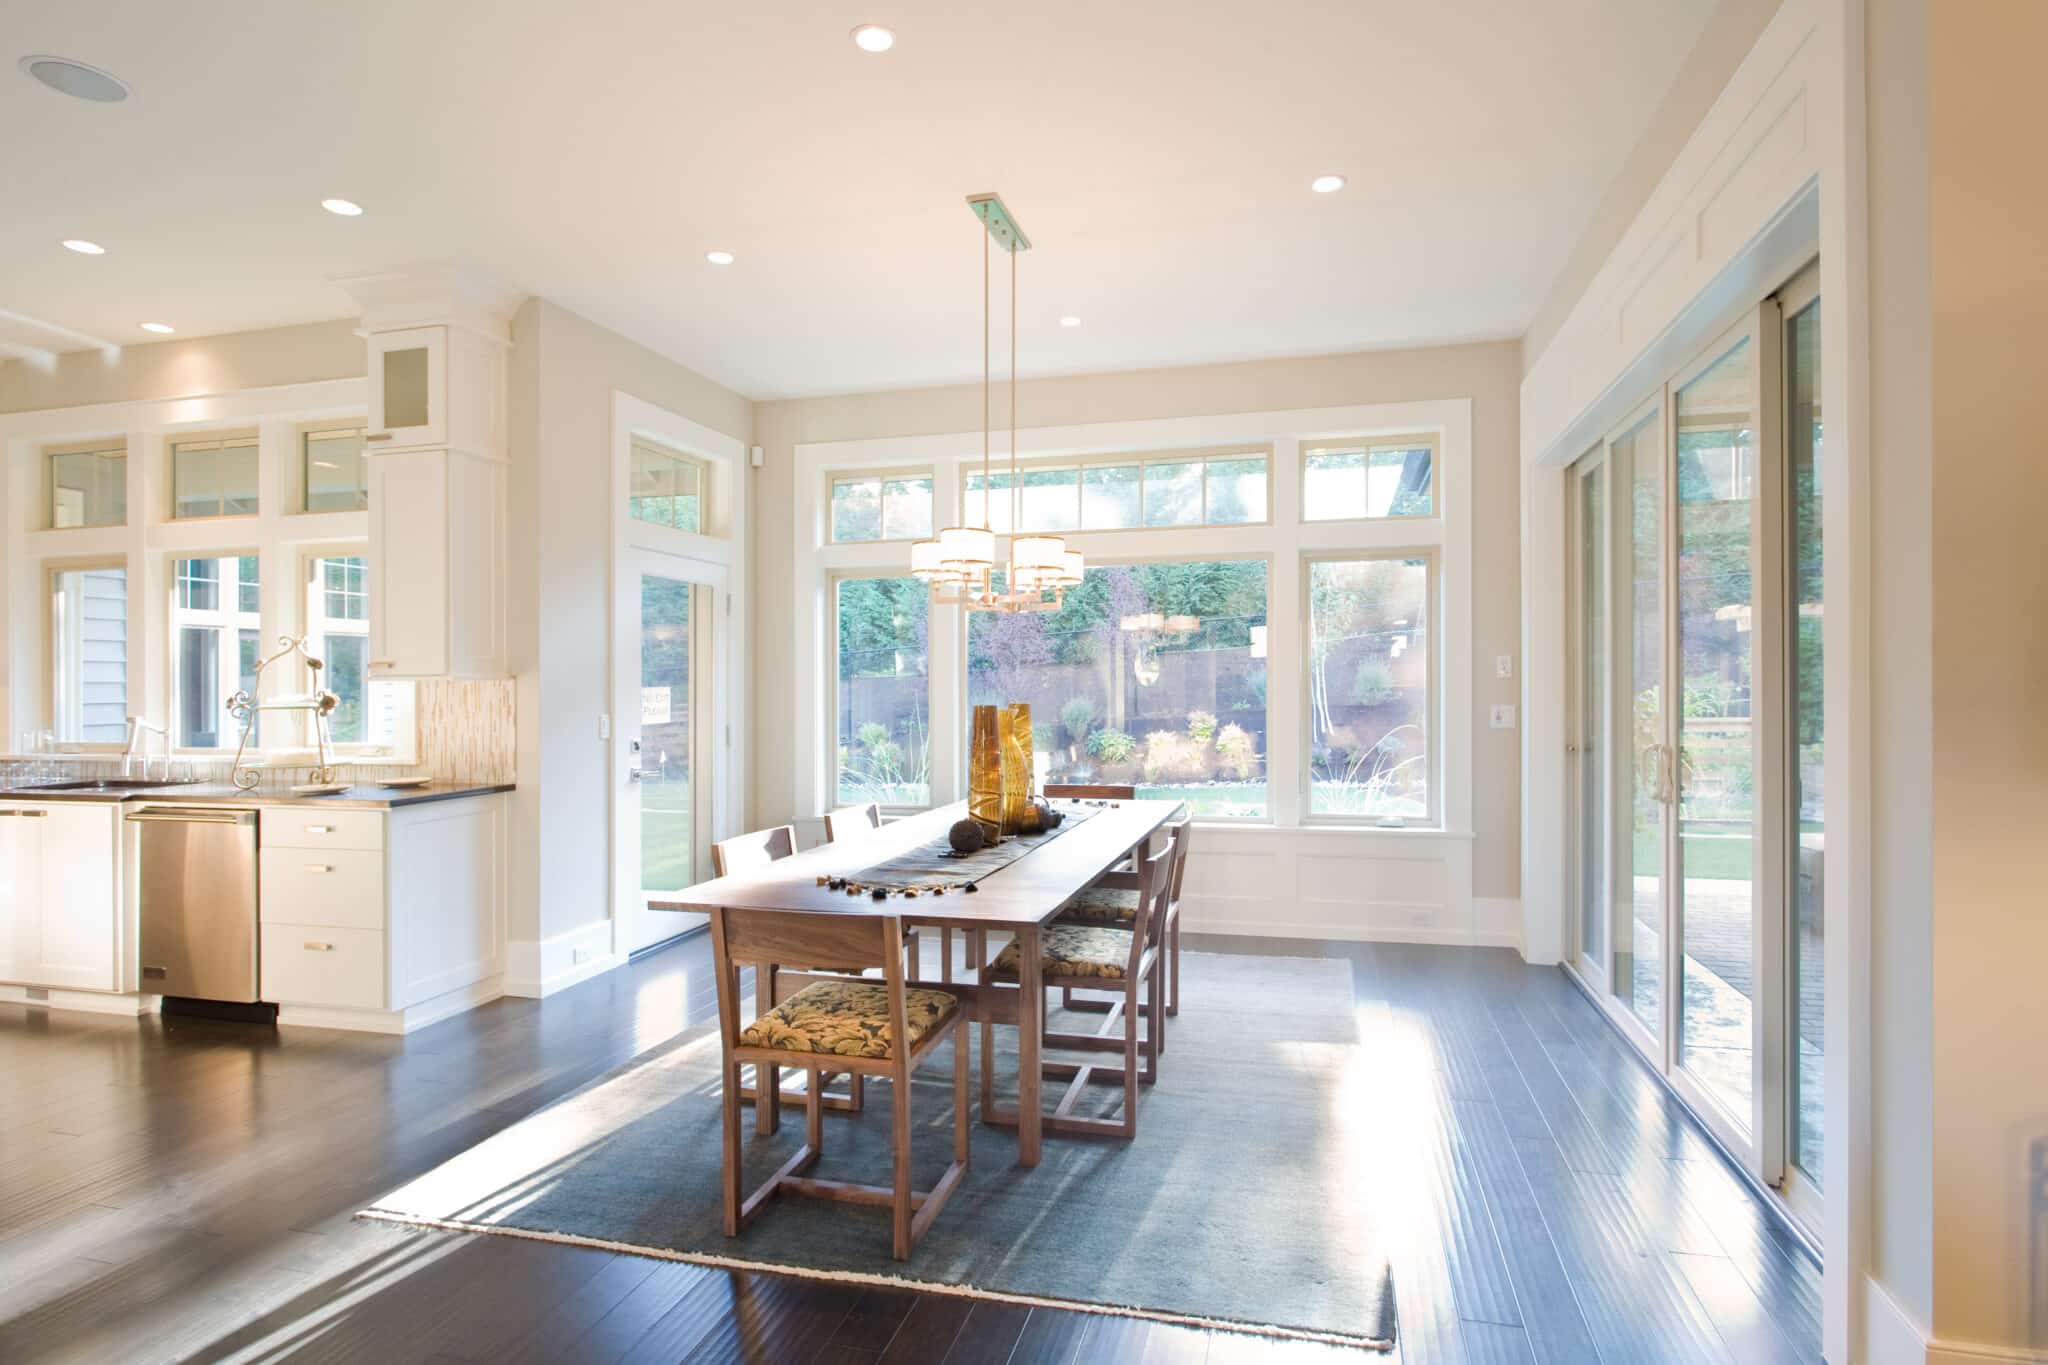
[[318, 700]]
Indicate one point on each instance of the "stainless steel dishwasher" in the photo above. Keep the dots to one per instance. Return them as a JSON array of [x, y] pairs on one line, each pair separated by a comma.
[[196, 900]]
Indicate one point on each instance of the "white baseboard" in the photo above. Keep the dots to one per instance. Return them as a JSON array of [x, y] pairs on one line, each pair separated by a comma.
[[86, 1002], [1324, 929], [1891, 1336], [540, 968], [415, 1016], [1497, 921]]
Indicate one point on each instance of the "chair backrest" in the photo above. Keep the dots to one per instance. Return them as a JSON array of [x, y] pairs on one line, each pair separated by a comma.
[[1181, 833], [779, 937], [1089, 791], [744, 852], [852, 822], [1155, 879]]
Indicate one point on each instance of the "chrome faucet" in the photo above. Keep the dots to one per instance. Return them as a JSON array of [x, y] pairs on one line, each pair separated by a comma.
[[136, 725]]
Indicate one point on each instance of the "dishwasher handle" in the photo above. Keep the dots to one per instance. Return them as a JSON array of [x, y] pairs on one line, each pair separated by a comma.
[[193, 817]]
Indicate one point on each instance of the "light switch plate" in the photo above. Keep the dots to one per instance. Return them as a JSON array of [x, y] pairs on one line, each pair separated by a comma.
[[1504, 666], [1504, 717]]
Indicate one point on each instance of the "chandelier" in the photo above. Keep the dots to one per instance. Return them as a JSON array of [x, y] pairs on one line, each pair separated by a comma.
[[959, 564]]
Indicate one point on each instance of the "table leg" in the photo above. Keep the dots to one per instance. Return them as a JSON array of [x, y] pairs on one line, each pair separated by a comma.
[[1030, 1023]]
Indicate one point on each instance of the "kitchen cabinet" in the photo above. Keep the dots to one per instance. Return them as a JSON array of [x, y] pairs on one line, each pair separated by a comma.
[[408, 388], [437, 565], [382, 920], [60, 895]]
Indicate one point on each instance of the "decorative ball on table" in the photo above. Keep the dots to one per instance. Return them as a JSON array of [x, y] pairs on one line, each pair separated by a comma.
[[1048, 818], [966, 836]]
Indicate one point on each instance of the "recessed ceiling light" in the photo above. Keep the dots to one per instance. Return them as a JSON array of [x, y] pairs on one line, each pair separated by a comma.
[[1070, 321], [160, 328], [76, 79], [718, 257], [874, 38], [1327, 184], [83, 247], [347, 208]]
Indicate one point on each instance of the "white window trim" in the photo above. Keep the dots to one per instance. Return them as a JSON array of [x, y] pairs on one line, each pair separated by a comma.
[[1285, 540], [150, 540]]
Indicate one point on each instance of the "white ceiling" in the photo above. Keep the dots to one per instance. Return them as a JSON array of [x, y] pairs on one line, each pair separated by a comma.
[[1158, 153]]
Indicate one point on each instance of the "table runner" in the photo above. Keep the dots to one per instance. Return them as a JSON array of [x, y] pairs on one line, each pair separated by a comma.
[[936, 864]]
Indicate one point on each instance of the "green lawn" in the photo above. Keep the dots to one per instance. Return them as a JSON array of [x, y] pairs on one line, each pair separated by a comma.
[[665, 837], [1718, 857]]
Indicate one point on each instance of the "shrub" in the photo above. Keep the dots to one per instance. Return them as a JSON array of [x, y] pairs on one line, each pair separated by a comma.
[[1174, 757], [1235, 752], [1201, 726], [872, 735], [1372, 684], [1077, 715], [1112, 746]]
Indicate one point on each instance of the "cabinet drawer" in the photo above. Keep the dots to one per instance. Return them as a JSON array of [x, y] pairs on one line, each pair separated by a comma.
[[309, 827], [340, 887], [314, 965]]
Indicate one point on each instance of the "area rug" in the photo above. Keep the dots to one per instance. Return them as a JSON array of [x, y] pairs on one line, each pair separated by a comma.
[[1246, 1201]]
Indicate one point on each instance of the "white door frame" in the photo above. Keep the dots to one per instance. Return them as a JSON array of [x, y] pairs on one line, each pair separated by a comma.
[[714, 556]]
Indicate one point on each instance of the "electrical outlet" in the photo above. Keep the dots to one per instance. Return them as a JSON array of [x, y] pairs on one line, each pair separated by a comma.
[[1504, 666], [1504, 717], [604, 726], [577, 955]]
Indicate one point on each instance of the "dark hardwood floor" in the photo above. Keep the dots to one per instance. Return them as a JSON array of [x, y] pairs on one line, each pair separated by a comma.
[[184, 1189]]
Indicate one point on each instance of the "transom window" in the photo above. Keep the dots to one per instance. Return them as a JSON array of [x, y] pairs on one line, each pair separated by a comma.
[[337, 474], [881, 507], [1126, 494], [1360, 480], [214, 477], [667, 487], [89, 486]]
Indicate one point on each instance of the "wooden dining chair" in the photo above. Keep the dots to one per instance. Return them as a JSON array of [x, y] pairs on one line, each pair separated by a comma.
[[867, 1027], [1102, 957], [746, 853], [1113, 900], [851, 822]]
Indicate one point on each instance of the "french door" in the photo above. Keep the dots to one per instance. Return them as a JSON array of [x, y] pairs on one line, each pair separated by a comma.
[[662, 769], [1695, 739]]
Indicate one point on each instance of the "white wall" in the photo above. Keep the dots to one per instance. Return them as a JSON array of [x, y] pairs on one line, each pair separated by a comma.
[[189, 367], [1484, 374], [565, 372]]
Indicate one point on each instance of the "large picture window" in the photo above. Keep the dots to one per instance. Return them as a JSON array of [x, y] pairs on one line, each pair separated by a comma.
[[1370, 686], [1149, 674], [216, 638], [882, 702]]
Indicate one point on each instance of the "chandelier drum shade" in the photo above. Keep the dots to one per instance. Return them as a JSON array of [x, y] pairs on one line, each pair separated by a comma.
[[959, 565]]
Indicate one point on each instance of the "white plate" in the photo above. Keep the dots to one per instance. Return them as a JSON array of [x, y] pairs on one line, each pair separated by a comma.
[[408, 782]]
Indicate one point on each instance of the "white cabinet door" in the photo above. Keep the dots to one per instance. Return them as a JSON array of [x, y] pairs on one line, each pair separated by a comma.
[[80, 905], [408, 388], [21, 893], [409, 565]]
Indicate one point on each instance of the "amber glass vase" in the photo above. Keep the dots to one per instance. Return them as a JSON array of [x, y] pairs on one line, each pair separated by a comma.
[[1019, 815], [985, 773]]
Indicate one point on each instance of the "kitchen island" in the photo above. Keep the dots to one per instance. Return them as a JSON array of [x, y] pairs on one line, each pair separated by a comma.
[[377, 908]]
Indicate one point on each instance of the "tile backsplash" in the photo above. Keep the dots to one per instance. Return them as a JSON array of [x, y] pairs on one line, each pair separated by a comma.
[[466, 730]]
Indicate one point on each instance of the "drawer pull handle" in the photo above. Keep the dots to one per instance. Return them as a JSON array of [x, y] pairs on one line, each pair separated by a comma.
[[319, 829], [319, 867], [383, 663], [313, 947], [376, 436]]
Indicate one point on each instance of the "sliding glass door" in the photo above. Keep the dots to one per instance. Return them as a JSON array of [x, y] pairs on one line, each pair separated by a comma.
[[1696, 735]]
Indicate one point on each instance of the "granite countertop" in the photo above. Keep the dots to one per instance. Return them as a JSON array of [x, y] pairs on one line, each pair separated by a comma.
[[364, 796]]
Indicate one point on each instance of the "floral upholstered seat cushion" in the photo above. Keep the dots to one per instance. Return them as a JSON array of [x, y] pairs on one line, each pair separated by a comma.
[[1072, 950], [1103, 905], [846, 1019]]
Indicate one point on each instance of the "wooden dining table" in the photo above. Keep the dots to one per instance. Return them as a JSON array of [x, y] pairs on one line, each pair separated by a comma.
[[1018, 899]]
